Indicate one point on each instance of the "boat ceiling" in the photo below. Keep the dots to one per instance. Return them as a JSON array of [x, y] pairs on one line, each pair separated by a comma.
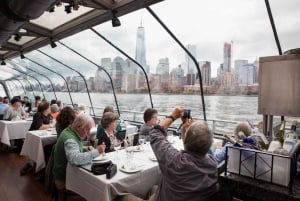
[[30, 24]]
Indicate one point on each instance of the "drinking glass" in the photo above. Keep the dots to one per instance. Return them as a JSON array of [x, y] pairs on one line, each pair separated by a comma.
[[142, 139], [170, 137], [129, 152], [117, 146], [147, 140]]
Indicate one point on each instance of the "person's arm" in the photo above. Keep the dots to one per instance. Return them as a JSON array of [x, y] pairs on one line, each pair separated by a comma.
[[7, 113], [75, 157], [162, 149]]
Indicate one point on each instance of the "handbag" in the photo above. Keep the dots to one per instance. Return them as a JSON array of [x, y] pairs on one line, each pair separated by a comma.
[[107, 168], [100, 168], [111, 171]]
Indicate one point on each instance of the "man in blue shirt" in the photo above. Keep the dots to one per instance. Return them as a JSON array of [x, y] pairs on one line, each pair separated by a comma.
[[3, 107]]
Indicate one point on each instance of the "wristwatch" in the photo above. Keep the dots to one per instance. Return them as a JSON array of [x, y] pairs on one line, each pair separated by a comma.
[[171, 117]]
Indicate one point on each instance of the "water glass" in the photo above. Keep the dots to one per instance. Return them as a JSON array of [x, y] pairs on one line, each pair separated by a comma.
[[147, 140], [170, 137], [117, 146], [142, 139]]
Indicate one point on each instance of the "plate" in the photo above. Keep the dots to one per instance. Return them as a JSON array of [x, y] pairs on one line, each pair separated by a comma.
[[137, 149], [127, 170], [100, 158], [153, 158]]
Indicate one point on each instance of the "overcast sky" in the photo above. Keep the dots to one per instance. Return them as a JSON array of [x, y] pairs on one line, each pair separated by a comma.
[[206, 24]]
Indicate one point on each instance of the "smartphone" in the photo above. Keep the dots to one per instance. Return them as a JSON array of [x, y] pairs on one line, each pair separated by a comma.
[[187, 113]]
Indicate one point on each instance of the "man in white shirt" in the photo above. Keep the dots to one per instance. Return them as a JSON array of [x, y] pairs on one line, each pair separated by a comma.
[[14, 111]]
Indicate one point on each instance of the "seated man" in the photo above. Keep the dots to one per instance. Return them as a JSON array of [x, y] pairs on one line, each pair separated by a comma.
[[69, 148], [150, 119], [14, 111], [3, 107], [26, 104], [189, 174]]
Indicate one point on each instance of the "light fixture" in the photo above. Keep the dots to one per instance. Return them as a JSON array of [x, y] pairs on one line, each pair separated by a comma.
[[17, 37], [22, 55], [52, 43], [115, 20], [3, 62]]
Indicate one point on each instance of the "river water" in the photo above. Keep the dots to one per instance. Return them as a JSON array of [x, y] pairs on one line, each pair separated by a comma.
[[231, 108]]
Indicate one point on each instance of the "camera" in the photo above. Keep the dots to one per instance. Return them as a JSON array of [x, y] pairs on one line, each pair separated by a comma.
[[187, 114]]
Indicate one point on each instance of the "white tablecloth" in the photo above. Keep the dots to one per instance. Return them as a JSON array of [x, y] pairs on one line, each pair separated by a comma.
[[33, 146], [94, 188], [10, 130]]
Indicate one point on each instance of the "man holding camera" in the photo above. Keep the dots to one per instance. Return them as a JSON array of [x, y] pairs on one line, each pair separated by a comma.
[[190, 174]]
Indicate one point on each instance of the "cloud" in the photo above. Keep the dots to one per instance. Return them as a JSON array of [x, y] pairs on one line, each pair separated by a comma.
[[206, 24]]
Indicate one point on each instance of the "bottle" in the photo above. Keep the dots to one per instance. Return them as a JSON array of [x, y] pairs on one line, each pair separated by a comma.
[[291, 138], [278, 139], [259, 137], [280, 133], [262, 140], [233, 141]]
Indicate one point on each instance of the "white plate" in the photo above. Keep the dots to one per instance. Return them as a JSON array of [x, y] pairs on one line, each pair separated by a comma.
[[137, 169], [153, 158], [138, 149], [100, 158]]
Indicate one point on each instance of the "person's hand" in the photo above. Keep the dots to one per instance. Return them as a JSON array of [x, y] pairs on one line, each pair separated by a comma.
[[101, 148], [178, 112], [186, 123], [90, 148]]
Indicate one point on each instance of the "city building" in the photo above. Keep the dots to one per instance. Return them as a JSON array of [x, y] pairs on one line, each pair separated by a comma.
[[163, 66], [140, 50], [190, 66], [206, 73], [227, 57], [247, 75]]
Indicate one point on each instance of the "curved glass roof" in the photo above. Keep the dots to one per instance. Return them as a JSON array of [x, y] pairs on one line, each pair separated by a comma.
[[84, 58]]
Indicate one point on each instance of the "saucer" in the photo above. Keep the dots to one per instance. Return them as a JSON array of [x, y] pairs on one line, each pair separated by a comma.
[[138, 149], [100, 158], [128, 170]]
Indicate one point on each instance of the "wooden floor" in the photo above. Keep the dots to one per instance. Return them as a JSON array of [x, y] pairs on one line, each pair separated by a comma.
[[14, 187]]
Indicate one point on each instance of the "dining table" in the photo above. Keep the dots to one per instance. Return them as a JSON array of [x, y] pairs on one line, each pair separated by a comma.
[[34, 143], [137, 180], [11, 130]]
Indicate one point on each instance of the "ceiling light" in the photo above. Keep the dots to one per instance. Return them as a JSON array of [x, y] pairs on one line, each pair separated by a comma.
[[3, 62], [115, 20], [22, 55], [52, 43]]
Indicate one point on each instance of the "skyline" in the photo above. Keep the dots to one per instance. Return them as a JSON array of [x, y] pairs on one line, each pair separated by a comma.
[[207, 25]]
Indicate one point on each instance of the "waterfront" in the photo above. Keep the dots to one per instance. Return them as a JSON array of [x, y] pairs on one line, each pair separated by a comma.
[[231, 108]]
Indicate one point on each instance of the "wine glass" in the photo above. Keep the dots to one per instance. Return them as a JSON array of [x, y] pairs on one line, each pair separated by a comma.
[[117, 146], [142, 139]]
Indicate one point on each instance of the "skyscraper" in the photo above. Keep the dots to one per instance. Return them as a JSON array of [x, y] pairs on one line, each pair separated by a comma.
[[227, 57], [163, 66], [206, 73], [190, 65], [140, 50]]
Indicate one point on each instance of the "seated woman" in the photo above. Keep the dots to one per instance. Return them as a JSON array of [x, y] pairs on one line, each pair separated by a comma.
[[64, 119], [108, 134], [54, 111], [111, 109], [41, 120]]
